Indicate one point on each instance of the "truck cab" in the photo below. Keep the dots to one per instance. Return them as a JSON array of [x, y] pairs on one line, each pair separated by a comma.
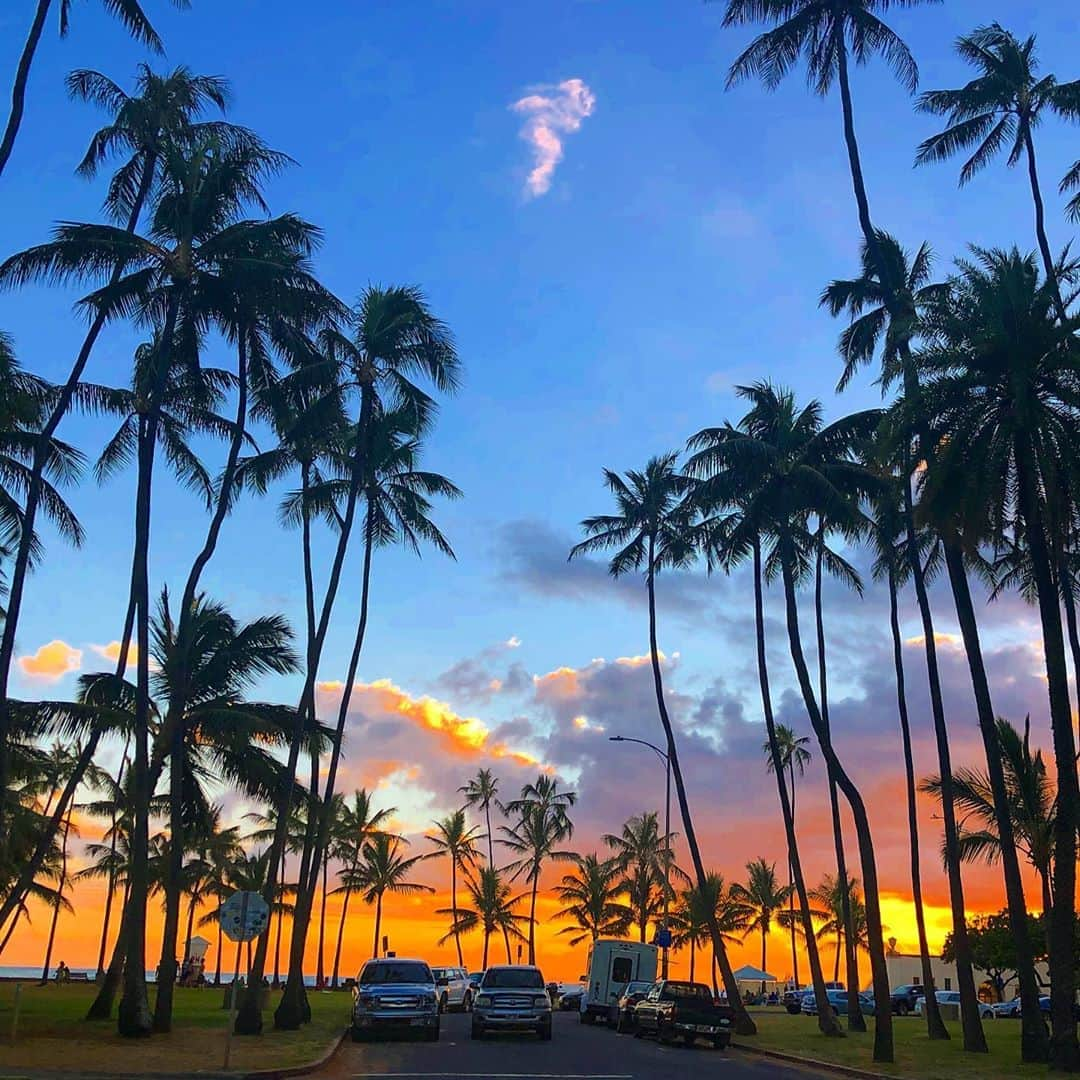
[[611, 965]]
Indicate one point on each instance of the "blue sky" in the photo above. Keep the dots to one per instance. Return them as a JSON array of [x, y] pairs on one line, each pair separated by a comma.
[[680, 250]]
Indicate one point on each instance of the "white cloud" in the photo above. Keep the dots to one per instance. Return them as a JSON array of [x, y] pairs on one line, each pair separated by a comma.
[[551, 112]]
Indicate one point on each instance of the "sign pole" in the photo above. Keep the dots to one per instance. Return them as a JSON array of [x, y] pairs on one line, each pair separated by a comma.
[[235, 986]]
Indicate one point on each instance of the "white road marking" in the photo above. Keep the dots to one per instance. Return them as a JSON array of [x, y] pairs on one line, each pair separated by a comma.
[[496, 1076]]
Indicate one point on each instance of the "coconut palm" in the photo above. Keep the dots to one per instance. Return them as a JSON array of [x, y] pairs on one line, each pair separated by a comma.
[[480, 792], [590, 897], [357, 822], [1003, 373], [492, 910], [763, 896], [1000, 108], [842, 908], [652, 530], [644, 860], [129, 12], [454, 839], [1032, 802], [542, 822], [691, 917], [794, 756]]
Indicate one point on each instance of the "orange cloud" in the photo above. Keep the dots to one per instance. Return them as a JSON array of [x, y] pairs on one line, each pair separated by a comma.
[[112, 652], [946, 641], [52, 661]]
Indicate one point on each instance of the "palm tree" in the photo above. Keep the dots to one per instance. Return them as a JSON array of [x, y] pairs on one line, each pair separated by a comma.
[[492, 911], [481, 791], [590, 897], [1001, 107], [891, 278], [651, 530], [1002, 368], [357, 822], [794, 755], [395, 338], [764, 896], [643, 859], [542, 823], [692, 909], [1032, 802], [454, 838], [129, 12], [843, 909], [211, 846]]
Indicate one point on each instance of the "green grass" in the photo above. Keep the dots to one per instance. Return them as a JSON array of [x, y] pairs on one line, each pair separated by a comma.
[[916, 1055], [52, 1034]]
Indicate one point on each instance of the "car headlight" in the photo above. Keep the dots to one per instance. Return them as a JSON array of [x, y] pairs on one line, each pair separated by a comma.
[[541, 999], [483, 999], [365, 1001], [429, 999]]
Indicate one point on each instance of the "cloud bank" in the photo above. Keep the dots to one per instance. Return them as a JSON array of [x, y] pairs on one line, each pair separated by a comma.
[[551, 112]]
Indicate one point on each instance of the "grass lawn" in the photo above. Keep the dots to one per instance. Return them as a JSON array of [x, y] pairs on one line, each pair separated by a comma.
[[53, 1035], [916, 1055]]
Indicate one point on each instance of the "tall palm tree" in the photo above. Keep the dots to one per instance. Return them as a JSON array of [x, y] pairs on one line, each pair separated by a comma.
[[652, 530], [394, 339], [843, 914], [492, 910], [454, 839], [542, 822], [692, 909], [590, 897], [1000, 108], [764, 896], [480, 792], [1003, 369], [794, 756], [163, 113], [1032, 802], [129, 12], [357, 822], [384, 868], [886, 526], [644, 861]]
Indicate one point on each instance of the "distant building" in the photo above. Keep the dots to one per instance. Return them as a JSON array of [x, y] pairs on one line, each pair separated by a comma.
[[906, 969]]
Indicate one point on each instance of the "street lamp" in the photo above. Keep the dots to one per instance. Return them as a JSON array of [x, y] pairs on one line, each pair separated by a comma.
[[666, 939]]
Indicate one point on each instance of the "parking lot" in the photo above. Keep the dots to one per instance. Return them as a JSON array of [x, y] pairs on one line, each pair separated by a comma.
[[576, 1052]]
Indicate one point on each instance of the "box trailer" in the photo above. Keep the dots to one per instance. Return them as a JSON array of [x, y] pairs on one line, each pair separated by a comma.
[[611, 965]]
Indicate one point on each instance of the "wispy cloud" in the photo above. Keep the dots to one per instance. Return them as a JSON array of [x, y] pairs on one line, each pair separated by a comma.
[[551, 112], [52, 661]]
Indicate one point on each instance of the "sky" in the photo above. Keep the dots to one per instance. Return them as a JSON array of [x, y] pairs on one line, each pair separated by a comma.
[[616, 242]]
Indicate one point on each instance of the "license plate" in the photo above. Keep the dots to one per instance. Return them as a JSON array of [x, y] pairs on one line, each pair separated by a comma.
[[704, 1029], [417, 1023]]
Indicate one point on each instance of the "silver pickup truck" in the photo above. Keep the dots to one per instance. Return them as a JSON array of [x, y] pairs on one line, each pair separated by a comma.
[[512, 998], [395, 995]]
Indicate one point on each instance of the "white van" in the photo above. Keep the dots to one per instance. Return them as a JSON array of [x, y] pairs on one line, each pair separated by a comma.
[[611, 965]]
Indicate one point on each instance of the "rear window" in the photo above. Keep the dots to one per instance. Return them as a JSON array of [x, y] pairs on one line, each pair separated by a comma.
[[687, 990], [517, 978], [378, 974]]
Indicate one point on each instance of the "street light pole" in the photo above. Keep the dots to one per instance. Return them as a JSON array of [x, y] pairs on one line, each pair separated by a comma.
[[667, 843]]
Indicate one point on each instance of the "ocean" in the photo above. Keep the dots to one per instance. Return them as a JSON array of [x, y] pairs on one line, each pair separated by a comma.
[[10, 973]]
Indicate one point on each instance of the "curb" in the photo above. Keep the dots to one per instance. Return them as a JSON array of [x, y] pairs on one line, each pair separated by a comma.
[[296, 1070], [813, 1063]]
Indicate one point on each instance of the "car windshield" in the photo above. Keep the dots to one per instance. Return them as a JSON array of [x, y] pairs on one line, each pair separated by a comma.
[[380, 974], [516, 978]]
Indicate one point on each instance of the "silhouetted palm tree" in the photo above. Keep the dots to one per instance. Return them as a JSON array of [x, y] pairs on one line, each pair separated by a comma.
[[763, 897], [454, 838], [481, 791], [492, 911], [590, 897]]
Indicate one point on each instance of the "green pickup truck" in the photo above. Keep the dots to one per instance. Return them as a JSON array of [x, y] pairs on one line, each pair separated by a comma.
[[683, 1010]]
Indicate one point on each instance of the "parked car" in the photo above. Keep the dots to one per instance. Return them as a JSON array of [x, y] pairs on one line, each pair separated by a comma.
[[454, 989], [475, 979], [621, 1016], [673, 1009], [944, 997], [792, 1000], [570, 995], [1007, 1009], [905, 998], [395, 995], [512, 998], [838, 1001]]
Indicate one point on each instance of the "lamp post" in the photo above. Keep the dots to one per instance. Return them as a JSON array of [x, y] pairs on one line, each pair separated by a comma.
[[667, 841]]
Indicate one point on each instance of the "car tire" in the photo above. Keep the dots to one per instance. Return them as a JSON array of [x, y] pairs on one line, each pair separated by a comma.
[[621, 1024], [902, 1009], [543, 1032], [466, 1002], [586, 1016], [443, 1003], [637, 1032], [477, 1031], [720, 1042]]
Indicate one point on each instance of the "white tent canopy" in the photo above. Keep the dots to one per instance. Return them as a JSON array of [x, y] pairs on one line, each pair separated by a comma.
[[751, 974]]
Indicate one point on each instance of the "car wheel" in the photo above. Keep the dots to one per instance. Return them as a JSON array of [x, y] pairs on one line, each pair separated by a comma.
[[466, 1002], [689, 1040], [621, 1024], [661, 1034], [544, 1032], [902, 1009], [720, 1042], [477, 1031], [432, 1034], [637, 1032], [443, 1004]]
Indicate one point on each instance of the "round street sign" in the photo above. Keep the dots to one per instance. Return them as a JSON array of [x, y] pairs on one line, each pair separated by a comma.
[[244, 916]]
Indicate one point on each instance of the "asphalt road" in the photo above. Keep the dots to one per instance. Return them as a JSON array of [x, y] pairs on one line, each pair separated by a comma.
[[576, 1052]]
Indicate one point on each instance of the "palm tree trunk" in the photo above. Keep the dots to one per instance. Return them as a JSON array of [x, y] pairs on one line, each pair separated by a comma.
[[856, 1020], [487, 939], [935, 1026], [378, 922], [320, 973], [453, 909], [1069, 603], [491, 843], [277, 941], [249, 1016], [193, 900], [1040, 225], [58, 901], [285, 1015], [692, 957], [101, 1006], [1033, 1042], [1061, 936], [883, 1040], [22, 75], [744, 1024], [99, 974], [340, 938], [826, 1020], [21, 565], [791, 890], [506, 940], [532, 918], [217, 958], [113, 832], [839, 950]]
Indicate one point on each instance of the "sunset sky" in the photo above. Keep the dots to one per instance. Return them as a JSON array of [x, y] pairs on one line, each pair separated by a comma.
[[616, 243]]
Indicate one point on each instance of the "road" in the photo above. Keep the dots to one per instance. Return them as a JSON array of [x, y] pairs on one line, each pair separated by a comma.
[[576, 1052]]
